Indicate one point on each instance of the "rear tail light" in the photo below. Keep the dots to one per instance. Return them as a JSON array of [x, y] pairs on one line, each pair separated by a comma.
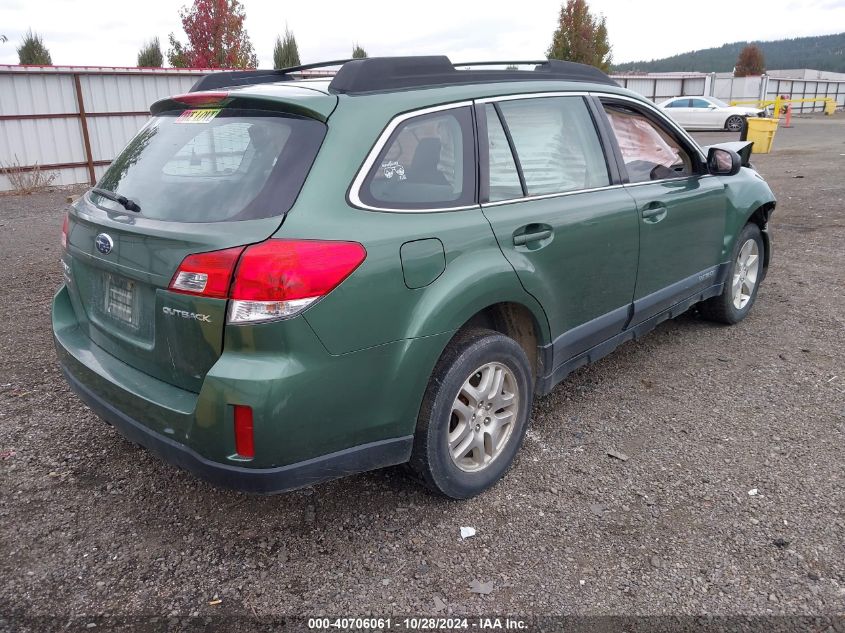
[[279, 278], [244, 431], [64, 231], [273, 280], [207, 274]]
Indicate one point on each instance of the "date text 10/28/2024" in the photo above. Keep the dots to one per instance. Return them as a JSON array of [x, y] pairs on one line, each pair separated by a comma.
[[417, 624]]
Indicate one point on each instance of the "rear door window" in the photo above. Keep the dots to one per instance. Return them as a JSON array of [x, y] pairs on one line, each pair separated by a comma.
[[427, 163], [225, 165], [556, 144]]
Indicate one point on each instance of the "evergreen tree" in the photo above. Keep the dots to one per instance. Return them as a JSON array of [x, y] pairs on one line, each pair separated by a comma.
[[358, 52], [286, 52], [150, 55], [32, 51]]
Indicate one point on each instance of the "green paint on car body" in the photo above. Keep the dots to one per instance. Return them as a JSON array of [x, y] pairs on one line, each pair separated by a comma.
[[351, 369]]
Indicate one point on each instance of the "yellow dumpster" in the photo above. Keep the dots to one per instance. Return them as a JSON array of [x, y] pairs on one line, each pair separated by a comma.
[[829, 106], [762, 132]]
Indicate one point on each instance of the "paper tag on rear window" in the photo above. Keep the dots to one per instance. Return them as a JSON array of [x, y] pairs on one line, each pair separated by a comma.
[[198, 116]]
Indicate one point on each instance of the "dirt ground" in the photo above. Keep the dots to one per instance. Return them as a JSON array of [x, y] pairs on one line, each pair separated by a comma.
[[92, 525]]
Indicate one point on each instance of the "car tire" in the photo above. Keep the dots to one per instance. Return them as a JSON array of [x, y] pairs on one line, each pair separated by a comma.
[[474, 414], [742, 281], [735, 123]]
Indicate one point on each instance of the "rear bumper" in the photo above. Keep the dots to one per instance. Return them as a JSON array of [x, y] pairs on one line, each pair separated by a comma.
[[300, 438], [258, 480]]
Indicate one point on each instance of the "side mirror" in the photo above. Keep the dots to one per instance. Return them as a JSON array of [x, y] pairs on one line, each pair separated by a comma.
[[723, 162], [711, 107]]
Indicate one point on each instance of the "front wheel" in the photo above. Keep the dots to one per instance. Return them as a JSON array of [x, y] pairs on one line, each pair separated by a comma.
[[474, 414], [742, 282], [734, 123]]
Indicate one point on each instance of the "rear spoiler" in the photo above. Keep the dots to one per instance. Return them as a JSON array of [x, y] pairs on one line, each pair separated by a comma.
[[743, 148]]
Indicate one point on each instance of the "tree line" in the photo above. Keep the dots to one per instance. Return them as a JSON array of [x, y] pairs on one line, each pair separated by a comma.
[[823, 52], [216, 38]]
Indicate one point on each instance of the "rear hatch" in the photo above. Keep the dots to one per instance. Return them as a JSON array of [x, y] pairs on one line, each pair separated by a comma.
[[206, 177]]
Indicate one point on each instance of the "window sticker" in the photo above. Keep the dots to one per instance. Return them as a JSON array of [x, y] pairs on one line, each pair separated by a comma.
[[391, 167], [198, 116]]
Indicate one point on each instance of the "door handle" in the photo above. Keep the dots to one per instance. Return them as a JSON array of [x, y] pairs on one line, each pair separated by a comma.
[[654, 212], [532, 233]]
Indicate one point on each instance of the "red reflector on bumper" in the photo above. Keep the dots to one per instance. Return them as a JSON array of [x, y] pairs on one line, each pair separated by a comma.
[[244, 437]]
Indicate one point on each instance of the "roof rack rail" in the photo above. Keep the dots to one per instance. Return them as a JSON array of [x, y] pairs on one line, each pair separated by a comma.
[[396, 73], [375, 74], [233, 78]]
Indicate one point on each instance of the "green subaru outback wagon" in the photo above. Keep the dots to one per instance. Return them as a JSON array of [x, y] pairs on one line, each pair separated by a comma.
[[281, 281]]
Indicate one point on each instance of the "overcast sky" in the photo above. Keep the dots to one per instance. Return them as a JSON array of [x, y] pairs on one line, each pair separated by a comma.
[[110, 32]]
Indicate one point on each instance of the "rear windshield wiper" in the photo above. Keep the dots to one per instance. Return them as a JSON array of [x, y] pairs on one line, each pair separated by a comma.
[[128, 204]]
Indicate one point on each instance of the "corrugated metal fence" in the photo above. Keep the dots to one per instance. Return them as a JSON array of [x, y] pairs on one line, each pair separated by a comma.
[[659, 87], [72, 121], [805, 89]]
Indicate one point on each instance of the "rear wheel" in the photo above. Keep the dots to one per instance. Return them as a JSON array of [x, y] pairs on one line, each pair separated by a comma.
[[734, 123], [742, 282], [474, 415]]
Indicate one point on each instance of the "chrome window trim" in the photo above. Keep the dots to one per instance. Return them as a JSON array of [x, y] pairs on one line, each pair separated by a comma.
[[532, 95], [547, 196], [354, 191], [678, 179], [364, 170]]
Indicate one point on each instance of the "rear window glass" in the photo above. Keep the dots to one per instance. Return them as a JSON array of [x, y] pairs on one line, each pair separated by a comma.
[[214, 165], [428, 163]]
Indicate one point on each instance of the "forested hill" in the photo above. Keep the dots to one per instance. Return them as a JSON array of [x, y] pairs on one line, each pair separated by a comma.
[[822, 52]]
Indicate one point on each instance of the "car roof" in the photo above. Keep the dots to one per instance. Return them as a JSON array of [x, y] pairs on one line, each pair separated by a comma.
[[400, 84]]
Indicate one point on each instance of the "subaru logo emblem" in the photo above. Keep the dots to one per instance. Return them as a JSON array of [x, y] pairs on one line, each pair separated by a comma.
[[104, 243]]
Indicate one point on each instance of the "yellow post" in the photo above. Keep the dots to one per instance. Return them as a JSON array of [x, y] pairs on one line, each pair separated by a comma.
[[829, 106], [776, 114]]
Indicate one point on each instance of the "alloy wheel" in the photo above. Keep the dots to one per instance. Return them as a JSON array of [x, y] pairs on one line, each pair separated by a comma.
[[746, 270], [483, 417]]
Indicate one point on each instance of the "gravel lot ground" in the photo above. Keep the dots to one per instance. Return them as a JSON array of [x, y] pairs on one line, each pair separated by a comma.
[[91, 524]]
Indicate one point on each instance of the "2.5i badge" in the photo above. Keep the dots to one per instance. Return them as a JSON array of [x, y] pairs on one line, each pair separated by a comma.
[[203, 115]]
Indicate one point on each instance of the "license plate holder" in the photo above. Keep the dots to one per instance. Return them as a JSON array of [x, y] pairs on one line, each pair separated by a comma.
[[121, 300]]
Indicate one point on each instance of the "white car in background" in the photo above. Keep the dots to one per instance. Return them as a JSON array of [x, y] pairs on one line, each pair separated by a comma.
[[708, 113]]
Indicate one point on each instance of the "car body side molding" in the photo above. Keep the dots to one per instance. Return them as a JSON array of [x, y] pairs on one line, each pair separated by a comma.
[[667, 303], [656, 302]]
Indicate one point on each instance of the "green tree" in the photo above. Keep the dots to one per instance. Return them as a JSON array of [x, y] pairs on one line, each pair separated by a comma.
[[358, 52], [150, 55], [581, 36], [176, 56], [750, 62], [286, 51], [33, 51]]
